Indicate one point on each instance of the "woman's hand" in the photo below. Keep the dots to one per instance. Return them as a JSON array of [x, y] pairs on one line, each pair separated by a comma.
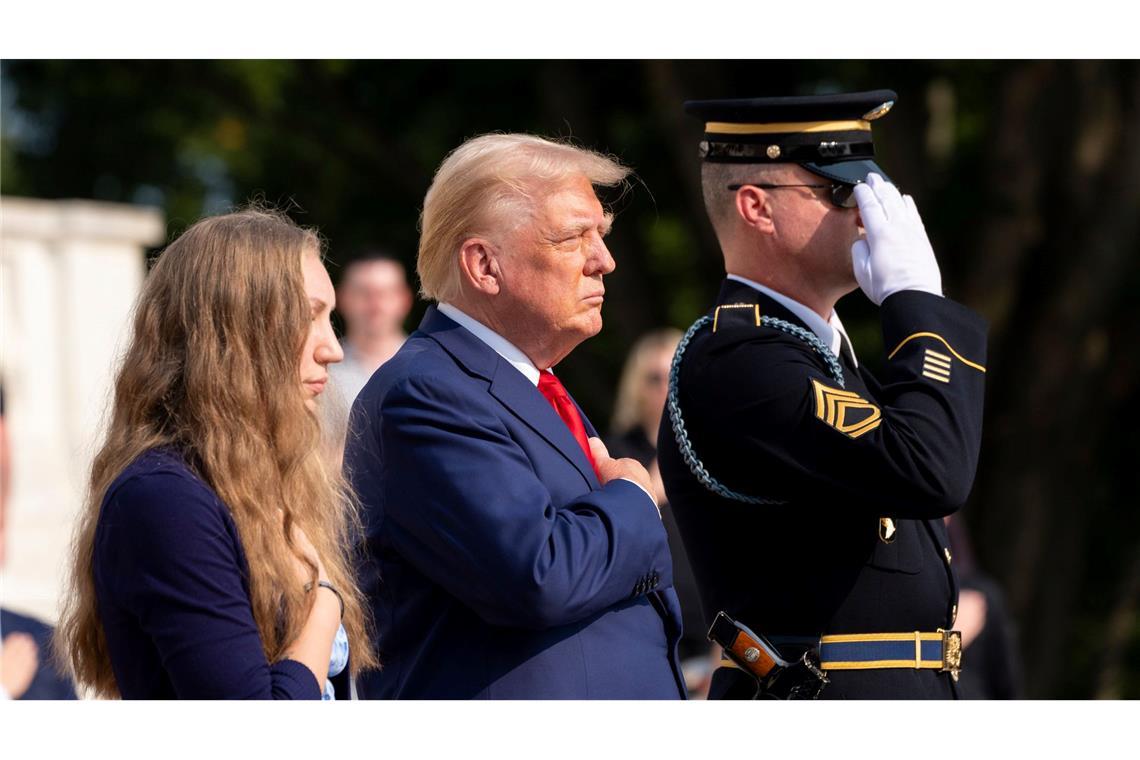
[[313, 646]]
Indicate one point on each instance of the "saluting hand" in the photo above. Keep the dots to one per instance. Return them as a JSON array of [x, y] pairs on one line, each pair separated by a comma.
[[627, 469], [896, 253]]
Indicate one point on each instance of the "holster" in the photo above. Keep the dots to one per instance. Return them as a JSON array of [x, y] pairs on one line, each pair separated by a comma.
[[776, 678]]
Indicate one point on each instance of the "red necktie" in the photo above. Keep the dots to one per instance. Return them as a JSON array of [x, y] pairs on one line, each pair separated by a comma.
[[550, 387]]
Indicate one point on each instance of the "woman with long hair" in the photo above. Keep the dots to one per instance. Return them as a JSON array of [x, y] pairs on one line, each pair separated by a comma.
[[641, 394], [211, 559]]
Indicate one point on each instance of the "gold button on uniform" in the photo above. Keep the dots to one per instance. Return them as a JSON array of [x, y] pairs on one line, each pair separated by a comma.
[[947, 552]]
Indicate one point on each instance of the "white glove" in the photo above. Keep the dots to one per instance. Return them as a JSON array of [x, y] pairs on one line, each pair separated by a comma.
[[895, 254]]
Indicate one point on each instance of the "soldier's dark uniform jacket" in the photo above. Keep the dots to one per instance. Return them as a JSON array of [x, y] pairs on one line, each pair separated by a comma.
[[768, 419]]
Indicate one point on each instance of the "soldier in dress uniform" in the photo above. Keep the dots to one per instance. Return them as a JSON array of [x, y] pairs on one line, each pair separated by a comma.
[[810, 493]]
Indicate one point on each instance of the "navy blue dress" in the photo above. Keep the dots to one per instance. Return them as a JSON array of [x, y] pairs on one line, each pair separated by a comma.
[[172, 585]]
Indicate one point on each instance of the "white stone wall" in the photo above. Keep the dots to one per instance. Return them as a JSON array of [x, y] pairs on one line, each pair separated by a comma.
[[69, 275]]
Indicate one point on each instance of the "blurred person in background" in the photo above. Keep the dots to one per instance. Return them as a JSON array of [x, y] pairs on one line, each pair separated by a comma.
[[512, 557], [991, 660], [210, 561], [26, 670], [374, 298], [642, 390]]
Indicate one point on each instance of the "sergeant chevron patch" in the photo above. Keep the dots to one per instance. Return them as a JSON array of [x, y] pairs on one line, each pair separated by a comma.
[[847, 412], [936, 366]]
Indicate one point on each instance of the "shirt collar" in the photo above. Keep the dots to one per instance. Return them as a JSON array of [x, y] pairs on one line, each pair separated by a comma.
[[831, 332], [498, 343]]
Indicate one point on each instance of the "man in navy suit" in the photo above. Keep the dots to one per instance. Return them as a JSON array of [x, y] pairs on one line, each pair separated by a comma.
[[509, 556]]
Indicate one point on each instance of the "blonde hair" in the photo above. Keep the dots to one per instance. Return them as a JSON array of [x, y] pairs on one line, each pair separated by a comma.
[[484, 181], [213, 371], [631, 386]]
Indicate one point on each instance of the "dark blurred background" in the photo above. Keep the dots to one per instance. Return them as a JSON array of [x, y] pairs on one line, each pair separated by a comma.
[[1027, 174]]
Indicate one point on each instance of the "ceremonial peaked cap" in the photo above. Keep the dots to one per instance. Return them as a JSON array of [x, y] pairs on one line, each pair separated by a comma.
[[829, 135]]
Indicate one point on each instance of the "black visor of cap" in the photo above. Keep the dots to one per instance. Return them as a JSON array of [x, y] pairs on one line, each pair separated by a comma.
[[846, 172]]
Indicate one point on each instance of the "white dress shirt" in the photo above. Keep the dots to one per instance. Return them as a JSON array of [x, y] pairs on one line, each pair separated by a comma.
[[501, 346], [830, 332]]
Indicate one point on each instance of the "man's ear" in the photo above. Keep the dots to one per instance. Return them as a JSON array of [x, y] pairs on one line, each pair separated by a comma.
[[754, 207], [479, 266]]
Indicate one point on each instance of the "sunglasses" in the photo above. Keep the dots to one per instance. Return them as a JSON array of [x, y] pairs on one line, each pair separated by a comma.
[[841, 195]]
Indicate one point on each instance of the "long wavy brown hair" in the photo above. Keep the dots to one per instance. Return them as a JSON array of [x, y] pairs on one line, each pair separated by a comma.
[[213, 370]]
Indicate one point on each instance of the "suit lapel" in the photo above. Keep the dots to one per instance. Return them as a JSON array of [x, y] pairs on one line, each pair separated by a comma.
[[509, 387], [524, 401]]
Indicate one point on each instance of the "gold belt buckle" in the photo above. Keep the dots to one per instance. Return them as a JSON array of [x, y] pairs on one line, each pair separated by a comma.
[[951, 652]]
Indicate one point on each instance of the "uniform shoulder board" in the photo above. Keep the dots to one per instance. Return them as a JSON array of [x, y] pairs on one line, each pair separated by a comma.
[[736, 315]]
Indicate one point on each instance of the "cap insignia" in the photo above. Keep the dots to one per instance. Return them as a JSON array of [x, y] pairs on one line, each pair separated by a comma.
[[879, 111]]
